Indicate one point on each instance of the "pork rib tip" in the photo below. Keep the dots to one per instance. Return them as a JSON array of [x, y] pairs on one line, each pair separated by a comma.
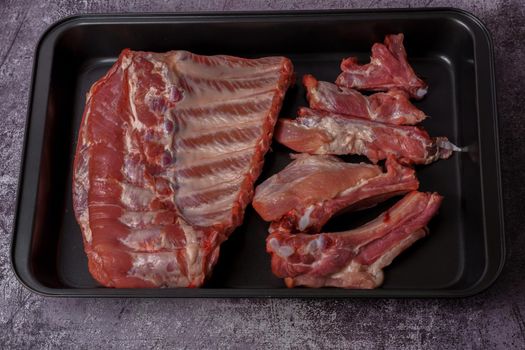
[[311, 189], [355, 258], [319, 132], [388, 69], [392, 107], [168, 151]]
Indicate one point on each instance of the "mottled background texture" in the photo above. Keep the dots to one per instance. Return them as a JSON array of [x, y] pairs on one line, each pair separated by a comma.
[[494, 319]]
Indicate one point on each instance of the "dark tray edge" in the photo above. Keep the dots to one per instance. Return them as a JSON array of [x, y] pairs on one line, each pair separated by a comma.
[[486, 280]]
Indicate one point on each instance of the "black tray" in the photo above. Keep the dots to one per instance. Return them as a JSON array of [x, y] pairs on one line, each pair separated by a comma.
[[451, 49]]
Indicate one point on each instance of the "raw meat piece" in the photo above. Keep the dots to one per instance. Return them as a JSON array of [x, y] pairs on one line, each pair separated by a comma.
[[169, 148], [311, 189], [307, 180], [320, 132], [388, 69], [392, 107], [355, 258]]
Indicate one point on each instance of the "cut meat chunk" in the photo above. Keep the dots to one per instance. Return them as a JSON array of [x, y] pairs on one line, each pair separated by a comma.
[[168, 151], [306, 181], [355, 258], [311, 189], [392, 107], [319, 132], [388, 69]]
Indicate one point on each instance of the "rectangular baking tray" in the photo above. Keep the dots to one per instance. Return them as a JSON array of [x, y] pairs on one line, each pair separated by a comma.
[[450, 49]]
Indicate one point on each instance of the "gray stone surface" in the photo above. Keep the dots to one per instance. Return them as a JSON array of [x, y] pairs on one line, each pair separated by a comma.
[[494, 319]]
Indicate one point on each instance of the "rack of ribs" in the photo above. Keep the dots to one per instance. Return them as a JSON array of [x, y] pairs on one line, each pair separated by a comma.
[[169, 148]]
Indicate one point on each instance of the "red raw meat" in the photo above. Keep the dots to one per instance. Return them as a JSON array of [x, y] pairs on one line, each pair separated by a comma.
[[311, 189], [168, 151], [392, 107], [388, 69], [308, 180], [355, 258], [319, 132]]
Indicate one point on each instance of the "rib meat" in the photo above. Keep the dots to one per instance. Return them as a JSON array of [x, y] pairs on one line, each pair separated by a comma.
[[355, 258], [392, 107], [168, 150], [311, 189], [319, 132], [388, 69]]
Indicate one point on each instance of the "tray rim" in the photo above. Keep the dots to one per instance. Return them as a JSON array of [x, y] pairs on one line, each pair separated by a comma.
[[24, 276]]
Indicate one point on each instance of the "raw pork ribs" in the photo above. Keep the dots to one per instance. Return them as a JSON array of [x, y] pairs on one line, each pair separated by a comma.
[[388, 69], [311, 189], [341, 120], [301, 198], [391, 107], [168, 151], [355, 258], [320, 132], [316, 185]]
